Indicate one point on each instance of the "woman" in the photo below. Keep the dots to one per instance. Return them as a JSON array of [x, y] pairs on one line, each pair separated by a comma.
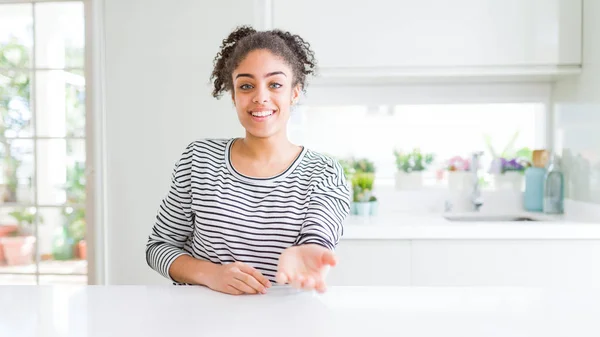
[[245, 212]]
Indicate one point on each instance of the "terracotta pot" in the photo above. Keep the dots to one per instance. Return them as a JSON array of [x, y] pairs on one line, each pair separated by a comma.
[[5, 230], [82, 250], [18, 250], [2, 259]]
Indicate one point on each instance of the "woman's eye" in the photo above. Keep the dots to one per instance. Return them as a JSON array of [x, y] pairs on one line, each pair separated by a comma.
[[245, 87], [275, 85]]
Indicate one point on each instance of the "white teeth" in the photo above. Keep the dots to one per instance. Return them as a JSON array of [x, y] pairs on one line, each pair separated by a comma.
[[262, 113]]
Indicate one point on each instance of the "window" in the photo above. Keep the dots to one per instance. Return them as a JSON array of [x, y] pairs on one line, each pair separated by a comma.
[[42, 143], [444, 130]]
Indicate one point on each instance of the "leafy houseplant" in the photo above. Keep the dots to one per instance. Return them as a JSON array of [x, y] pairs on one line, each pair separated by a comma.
[[362, 189], [508, 166], [410, 166], [414, 161], [510, 159], [347, 166], [363, 165], [362, 186], [360, 173], [25, 219]]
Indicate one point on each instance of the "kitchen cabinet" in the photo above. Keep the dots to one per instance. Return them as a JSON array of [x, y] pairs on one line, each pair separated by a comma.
[[371, 262], [432, 36], [505, 262], [471, 262]]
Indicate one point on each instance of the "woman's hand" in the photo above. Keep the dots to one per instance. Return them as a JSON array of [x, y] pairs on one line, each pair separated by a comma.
[[237, 278], [304, 266]]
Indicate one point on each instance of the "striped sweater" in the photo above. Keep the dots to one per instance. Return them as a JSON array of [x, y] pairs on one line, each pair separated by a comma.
[[214, 213]]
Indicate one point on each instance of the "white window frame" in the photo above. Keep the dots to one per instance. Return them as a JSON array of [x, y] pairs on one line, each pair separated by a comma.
[[94, 136]]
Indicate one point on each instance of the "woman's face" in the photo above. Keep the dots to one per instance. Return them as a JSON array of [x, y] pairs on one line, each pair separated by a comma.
[[263, 93]]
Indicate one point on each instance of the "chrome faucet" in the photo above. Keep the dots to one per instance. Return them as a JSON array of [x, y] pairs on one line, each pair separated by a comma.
[[476, 199]]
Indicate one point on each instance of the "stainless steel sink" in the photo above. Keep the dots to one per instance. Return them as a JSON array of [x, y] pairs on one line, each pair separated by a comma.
[[486, 217]]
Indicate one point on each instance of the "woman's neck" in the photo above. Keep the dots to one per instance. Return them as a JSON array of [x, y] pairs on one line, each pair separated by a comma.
[[267, 150]]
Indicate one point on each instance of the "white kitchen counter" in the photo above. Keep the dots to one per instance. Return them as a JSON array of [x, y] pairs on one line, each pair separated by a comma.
[[404, 226], [159, 311]]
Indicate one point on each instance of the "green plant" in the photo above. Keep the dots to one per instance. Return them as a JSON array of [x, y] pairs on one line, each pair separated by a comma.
[[413, 161], [347, 166], [14, 106], [363, 180], [363, 165], [362, 186], [76, 225], [75, 189], [509, 151], [25, 218], [511, 158], [75, 183]]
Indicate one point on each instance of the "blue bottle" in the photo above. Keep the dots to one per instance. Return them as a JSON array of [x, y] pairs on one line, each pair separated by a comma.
[[533, 197], [554, 187]]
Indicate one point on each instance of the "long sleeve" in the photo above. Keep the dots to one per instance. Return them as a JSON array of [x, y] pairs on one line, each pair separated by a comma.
[[328, 207], [174, 220]]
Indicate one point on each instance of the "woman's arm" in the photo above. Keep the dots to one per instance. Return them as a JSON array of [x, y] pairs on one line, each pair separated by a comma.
[[305, 264], [188, 270], [174, 222], [173, 228], [328, 207]]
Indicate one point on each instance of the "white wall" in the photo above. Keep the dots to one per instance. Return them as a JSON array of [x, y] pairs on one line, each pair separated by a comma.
[[158, 60], [577, 115]]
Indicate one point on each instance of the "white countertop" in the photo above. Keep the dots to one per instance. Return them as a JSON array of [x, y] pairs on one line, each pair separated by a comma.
[[406, 226], [159, 311]]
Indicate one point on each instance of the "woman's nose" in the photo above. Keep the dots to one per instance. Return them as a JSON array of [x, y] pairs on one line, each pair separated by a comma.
[[262, 96]]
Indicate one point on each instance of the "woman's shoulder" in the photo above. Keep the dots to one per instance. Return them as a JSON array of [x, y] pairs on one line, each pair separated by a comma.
[[209, 143], [322, 162], [213, 146]]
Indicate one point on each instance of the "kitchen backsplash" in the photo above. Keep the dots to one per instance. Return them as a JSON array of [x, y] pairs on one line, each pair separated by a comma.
[[577, 141], [577, 116]]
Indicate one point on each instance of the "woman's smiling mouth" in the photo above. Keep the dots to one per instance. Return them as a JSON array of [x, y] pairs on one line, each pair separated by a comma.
[[262, 114]]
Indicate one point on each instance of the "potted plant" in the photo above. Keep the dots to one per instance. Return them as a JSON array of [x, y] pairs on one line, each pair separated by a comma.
[[348, 167], [74, 218], [18, 246], [508, 173], [6, 229], [362, 187], [75, 222], [373, 205], [508, 167], [410, 166], [459, 175], [363, 165]]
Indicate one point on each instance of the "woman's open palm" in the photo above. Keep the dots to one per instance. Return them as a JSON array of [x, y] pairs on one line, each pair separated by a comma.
[[304, 266]]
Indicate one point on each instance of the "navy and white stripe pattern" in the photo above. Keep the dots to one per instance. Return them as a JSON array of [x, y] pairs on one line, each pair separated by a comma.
[[214, 213]]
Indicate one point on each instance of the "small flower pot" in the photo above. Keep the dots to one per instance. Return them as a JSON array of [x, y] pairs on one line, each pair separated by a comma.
[[511, 180], [353, 210], [409, 181], [18, 250], [5, 230], [460, 180], [82, 250], [373, 205], [362, 208]]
